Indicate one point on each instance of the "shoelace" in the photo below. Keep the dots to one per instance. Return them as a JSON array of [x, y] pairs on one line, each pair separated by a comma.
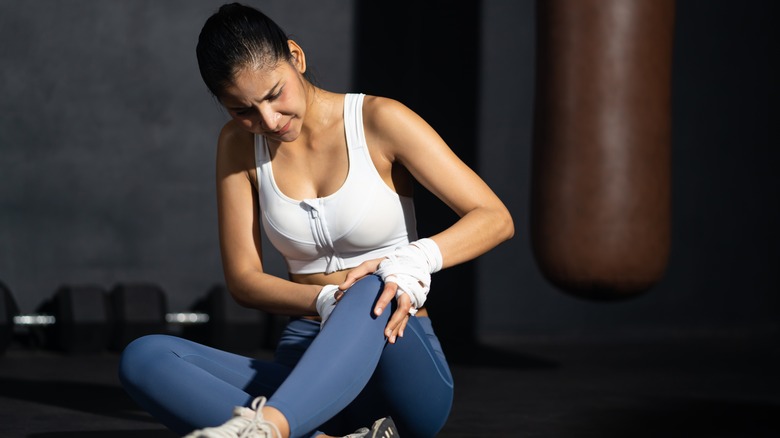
[[258, 427], [230, 429]]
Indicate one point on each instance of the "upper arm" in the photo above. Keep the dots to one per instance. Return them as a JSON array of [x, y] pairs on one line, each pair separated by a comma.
[[239, 231], [404, 137]]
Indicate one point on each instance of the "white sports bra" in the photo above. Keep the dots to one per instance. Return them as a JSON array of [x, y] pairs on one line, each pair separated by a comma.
[[364, 219]]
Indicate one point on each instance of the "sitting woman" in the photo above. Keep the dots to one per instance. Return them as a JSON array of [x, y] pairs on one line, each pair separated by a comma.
[[329, 176]]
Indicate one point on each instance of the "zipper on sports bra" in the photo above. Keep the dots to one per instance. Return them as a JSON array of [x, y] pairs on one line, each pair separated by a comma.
[[321, 235]]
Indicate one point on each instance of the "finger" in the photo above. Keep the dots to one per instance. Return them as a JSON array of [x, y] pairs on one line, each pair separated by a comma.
[[357, 273], [404, 300], [352, 276], [338, 295], [405, 306], [398, 320], [360, 271], [384, 299], [396, 324], [402, 326]]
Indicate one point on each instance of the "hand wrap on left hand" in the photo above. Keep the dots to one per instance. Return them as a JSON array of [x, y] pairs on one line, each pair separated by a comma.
[[410, 267], [326, 302]]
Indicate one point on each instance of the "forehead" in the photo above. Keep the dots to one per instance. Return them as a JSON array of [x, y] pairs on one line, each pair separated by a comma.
[[253, 84]]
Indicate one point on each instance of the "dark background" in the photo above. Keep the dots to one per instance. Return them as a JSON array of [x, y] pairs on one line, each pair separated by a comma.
[[107, 139]]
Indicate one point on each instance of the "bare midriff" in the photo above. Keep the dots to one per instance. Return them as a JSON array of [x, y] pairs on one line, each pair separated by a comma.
[[337, 277]]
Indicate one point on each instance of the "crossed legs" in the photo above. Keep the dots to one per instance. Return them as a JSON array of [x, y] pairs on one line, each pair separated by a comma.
[[346, 376]]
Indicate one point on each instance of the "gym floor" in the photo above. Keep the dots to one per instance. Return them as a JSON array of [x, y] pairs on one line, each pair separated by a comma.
[[724, 384]]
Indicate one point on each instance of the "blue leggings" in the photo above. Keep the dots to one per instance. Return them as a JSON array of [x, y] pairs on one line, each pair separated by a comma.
[[331, 381]]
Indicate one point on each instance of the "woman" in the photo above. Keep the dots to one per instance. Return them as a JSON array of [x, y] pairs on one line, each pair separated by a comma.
[[330, 178]]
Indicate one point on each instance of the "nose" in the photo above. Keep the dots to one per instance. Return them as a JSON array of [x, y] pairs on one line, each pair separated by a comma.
[[269, 118]]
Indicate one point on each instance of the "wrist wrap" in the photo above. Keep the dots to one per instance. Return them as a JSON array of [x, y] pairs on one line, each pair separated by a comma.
[[410, 267], [326, 302]]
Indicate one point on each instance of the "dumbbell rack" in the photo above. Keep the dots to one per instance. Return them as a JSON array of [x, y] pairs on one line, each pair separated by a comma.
[[39, 320], [89, 319]]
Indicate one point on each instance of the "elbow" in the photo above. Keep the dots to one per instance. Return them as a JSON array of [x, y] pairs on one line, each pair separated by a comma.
[[510, 229], [237, 292], [505, 226], [242, 299], [239, 289]]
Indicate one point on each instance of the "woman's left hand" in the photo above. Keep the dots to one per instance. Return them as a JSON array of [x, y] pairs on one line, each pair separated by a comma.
[[397, 323]]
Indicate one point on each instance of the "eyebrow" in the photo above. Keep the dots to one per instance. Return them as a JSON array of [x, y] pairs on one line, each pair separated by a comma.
[[271, 92]]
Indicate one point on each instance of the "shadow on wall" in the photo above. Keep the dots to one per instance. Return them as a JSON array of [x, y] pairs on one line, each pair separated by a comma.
[[381, 67]]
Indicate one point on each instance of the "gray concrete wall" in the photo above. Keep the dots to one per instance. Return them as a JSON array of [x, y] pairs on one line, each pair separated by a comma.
[[107, 144], [107, 140]]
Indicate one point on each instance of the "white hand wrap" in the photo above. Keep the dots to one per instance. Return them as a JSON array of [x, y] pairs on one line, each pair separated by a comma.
[[410, 267], [326, 302]]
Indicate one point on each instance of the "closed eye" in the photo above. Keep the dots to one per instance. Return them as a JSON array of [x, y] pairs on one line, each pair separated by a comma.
[[243, 111], [275, 96]]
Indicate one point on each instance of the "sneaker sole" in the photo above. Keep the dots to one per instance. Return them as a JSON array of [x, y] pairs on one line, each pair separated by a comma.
[[385, 429]]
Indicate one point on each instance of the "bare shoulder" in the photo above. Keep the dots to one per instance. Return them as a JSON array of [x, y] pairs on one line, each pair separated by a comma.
[[233, 136], [235, 149], [396, 129], [379, 111]]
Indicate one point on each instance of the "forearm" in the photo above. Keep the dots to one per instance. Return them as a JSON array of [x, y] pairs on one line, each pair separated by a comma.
[[474, 234], [256, 289]]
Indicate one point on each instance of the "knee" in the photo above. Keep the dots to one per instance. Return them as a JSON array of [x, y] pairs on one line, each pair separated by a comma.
[[371, 282], [139, 355], [364, 292], [359, 301]]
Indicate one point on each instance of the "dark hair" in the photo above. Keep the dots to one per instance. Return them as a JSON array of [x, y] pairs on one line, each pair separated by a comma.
[[237, 37]]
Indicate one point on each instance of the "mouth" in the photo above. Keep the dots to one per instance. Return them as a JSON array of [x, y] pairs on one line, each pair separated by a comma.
[[283, 129]]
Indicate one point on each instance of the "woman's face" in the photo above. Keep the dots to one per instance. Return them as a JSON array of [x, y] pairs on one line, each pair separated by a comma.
[[270, 102]]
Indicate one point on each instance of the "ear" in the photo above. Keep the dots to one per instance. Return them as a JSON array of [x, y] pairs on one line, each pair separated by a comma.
[[299, 58]]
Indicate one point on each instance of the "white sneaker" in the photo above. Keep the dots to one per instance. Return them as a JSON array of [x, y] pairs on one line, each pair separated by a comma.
[[246, 423], [382, 428]]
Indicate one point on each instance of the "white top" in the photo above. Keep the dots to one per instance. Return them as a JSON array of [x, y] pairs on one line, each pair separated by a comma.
[[364, 219]]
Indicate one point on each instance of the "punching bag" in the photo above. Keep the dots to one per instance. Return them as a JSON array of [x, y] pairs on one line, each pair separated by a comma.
[[601, 168]]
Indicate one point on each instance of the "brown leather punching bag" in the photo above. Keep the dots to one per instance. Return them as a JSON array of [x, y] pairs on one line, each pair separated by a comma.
[[601, 172]]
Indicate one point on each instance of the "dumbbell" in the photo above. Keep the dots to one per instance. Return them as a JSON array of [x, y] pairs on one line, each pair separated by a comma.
[[80, 319], [73, 320], [214, 319], [233, 328], [87, 319]]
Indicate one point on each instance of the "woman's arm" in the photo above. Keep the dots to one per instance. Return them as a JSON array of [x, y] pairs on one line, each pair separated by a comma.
[[239, 233], [396, 135], [401, 136]]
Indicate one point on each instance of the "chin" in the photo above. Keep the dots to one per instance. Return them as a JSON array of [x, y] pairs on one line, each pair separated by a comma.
[[286, 137]]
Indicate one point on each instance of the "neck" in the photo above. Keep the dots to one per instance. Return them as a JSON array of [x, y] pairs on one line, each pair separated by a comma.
[[321, 113]]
